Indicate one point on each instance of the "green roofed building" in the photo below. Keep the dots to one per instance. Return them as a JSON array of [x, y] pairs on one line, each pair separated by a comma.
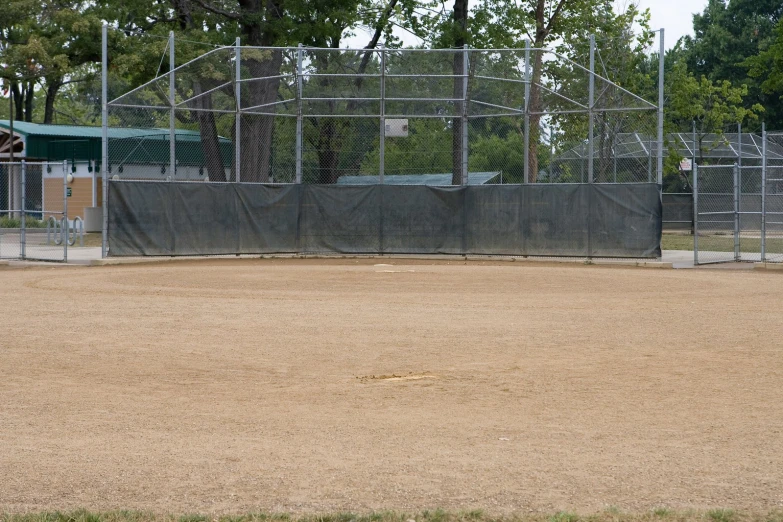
[[133, 153]]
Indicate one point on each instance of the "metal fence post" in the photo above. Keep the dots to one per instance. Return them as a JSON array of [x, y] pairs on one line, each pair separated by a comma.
[[382, 110], [299, 114], [590, 106], [65, 227], [22, 223], [104, 143], [695, 214], [738, 218], [465, 64], [736, 213], [237, 121], [527, 114], [695, 170], [763, 192], [662, 52], [172, 102], [649, 161]]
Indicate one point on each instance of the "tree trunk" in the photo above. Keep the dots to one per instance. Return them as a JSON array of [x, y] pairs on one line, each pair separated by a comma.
[[52, 87], [460, 19], [257, 130], [536, 107], [328, 151], [536, 104], [210, 141], [28, 102], [18, 95]]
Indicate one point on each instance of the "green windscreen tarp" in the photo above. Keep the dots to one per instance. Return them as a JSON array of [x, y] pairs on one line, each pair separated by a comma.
[[150, 218]]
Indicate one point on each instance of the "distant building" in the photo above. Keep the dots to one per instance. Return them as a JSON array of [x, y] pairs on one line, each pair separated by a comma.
[[136, 153]]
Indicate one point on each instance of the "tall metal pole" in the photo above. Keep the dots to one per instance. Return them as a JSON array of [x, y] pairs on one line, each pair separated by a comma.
[[11, 174], [299, 115], [237, 120], [382, 109], [104, 143], [591, 103], [465, 130], [649, 160], [527, 113], [662, 52], [736, 213], [172, 102], [738, 188], [23, 224], [65, 228], [763, 192], [695, 170], [94, 201]]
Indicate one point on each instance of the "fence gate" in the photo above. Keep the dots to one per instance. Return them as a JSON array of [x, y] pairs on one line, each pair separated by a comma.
[[731, 209], [33, 211], [773, 206]]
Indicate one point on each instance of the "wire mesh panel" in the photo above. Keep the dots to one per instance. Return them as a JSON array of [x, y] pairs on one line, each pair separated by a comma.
[[773, 204], [31, 221], [715, 214], [316, 115], [10, 210], [47, 226], [749, 212]]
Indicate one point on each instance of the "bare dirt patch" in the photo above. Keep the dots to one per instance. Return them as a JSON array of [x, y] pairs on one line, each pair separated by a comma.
[[410, 376], [303, 386]]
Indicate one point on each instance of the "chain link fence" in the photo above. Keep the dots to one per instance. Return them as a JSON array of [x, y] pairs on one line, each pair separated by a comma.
[[398, 116], [33, 215], [714, 224], [773, 204], [739, 203]]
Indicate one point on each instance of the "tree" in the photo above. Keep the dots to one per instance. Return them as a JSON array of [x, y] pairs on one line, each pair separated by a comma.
[[767, 67], [274, 23], [711, 105], [542, 22], [623, 40], [51, 42], [726, 34], [460, 37]]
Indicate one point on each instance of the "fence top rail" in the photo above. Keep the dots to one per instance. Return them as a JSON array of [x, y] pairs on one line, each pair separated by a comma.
[[28, 163], [540, 184], [176, 70]]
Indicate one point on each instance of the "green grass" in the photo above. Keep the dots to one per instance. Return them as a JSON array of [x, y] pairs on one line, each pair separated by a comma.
[[94, 240], [611, 514], [721, 515], [720, 243]]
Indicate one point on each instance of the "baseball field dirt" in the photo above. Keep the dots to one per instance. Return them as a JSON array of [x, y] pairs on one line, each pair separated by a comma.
[[305, 386]]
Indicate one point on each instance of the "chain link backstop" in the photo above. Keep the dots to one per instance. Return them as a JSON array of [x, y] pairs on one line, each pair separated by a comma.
[[435, 117]]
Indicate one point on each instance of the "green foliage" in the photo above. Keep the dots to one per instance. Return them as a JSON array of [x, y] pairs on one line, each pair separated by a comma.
[[711, 105], [726, 35], [767, 66], [13, 222]]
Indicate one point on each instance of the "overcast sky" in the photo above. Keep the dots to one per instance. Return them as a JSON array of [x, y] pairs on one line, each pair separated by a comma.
[[675, 16]]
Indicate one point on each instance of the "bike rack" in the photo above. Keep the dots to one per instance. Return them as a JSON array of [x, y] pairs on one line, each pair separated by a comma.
[[72, 230], [61, 230], [54, 228]]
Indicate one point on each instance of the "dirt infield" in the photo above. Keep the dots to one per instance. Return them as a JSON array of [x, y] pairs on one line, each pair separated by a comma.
[[312, 386]]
